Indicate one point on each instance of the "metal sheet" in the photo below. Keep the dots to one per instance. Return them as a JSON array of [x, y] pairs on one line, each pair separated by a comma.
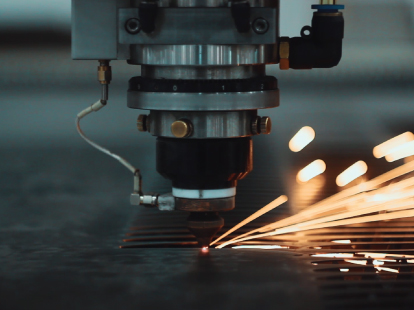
[[65, 216]]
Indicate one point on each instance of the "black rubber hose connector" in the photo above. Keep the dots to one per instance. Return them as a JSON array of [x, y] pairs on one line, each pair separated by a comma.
[[319, 46]]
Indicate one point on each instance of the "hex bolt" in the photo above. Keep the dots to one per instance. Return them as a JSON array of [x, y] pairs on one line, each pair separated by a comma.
[[181, 128], [265, 125], [260, 25], [142, 123], [133, 26]]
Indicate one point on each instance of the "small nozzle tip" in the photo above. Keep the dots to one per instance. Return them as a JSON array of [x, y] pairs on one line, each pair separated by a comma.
[[204, 225]]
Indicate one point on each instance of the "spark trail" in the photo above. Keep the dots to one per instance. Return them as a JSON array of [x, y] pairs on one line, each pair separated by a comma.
[[367, 202]]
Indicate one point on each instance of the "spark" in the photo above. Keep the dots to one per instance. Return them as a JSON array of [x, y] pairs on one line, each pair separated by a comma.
[[301, 139], [344, 269], [312, 170], [377, 262], [406, 150], [384, 255], [355, 171], [275, 203], [408, 159], [341, 241], [356, 262], [392, 145], [387, 269], [354, 205]]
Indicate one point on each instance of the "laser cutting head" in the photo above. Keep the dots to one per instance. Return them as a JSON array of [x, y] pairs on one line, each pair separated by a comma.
[[203, 79]]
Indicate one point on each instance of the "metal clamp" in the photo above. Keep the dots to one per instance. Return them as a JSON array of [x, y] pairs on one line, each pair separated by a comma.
[[204, 26]]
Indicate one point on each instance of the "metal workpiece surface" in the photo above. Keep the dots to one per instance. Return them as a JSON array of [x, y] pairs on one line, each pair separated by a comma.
[[64, 213], [234, 101], [75, 278], [213, 124]]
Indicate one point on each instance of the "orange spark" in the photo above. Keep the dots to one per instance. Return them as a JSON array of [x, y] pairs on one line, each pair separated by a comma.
[[341, 241], [301, 139], [391, 145], [355, 171], [312, 170], [406, 150], [275, 203]]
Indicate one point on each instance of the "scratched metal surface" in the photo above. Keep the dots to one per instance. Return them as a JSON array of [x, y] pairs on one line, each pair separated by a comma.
[[63, 215]]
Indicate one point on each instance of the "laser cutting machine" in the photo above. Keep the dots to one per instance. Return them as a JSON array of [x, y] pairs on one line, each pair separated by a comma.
[[203, 81]]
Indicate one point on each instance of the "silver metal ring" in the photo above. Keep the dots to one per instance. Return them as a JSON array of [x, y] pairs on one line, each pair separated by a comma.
[[203, 101], [204, 193], [203, 55], [203, 73]]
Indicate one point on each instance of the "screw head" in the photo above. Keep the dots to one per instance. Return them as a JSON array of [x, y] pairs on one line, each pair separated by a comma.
[[260, 25], [181, 128], [133, 26], [265, 125], [142, 123]]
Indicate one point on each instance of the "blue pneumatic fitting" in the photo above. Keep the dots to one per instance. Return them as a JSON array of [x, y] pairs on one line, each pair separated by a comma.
[[328, 8]]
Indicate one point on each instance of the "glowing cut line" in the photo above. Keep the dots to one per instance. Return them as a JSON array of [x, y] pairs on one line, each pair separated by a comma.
[[392, 145], [355, 171], [384, 255], [342, 241], [312, 170], [301, 139], [356, 262], [262, 247], [344, 270], [334, 255]]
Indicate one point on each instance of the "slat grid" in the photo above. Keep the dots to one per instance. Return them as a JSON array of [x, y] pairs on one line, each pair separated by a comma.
[[344, 284]]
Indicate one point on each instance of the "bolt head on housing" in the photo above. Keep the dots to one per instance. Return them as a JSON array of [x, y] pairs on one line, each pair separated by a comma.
[[142, 123], [265, 125], [181, 128]]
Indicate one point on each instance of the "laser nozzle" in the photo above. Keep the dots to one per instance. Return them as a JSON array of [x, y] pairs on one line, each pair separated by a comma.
[[204, 225]]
